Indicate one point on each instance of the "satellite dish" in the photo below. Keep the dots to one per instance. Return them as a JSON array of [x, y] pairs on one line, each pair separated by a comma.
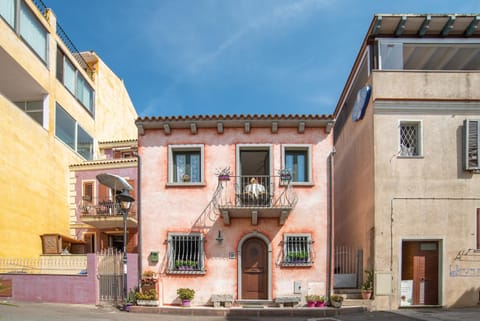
[[361, 103]]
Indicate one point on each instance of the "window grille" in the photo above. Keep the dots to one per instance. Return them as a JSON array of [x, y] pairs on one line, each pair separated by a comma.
[[409, 140], [297, 250], [185, 253]]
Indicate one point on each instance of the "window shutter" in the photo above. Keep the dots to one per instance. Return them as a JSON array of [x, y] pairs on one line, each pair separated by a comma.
[[471, 144], [88, 191]]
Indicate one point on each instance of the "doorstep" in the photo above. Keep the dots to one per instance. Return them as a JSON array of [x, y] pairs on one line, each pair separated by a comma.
[[248, 312]]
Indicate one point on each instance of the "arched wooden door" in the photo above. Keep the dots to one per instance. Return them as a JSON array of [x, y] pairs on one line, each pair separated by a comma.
[[254, 270]]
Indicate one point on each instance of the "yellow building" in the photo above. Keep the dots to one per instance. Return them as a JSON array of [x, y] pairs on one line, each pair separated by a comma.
[[56, 104]]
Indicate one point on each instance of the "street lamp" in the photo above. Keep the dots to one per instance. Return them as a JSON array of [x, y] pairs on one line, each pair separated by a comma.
[[125, 201]]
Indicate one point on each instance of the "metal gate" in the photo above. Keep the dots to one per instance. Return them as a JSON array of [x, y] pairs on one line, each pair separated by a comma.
[[110, 274], [348, 264]]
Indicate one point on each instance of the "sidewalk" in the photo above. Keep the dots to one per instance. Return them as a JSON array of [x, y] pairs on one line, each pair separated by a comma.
[[459, 314]]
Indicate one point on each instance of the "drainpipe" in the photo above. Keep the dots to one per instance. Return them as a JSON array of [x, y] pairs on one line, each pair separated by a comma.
[[139, 216], [330, 223]]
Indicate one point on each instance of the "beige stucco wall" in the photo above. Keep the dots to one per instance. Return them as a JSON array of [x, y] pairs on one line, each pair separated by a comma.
[[428, 197], [354, 190], [34, 163], [179, 209]]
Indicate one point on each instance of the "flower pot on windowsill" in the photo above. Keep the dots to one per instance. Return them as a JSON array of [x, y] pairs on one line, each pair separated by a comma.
[[224, 177], [186, 303]]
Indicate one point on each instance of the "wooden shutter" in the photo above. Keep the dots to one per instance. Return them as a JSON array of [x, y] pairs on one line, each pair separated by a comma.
[[87, 191], [471, 144]]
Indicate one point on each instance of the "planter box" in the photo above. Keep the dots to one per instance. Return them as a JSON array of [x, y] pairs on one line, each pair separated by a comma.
[[147, 302]]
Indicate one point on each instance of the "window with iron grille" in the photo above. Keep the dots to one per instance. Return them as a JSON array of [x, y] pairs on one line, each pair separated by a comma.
[[297, 249], [410, 143], [185, 253]]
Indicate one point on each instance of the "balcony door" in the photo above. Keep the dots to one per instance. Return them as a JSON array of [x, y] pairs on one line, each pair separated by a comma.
[[254, 162]]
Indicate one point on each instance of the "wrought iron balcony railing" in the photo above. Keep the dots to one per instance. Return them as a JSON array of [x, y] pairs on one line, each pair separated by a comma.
[[258, 196], [102, 207]]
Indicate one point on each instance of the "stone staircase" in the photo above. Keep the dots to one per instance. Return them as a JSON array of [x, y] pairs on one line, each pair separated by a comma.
[[353, 298]]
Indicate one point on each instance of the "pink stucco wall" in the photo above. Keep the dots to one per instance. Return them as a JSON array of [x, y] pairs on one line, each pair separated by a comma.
[[180, 209], [74, 289]]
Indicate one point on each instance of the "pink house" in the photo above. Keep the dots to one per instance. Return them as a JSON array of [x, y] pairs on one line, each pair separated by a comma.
[[236, 205]]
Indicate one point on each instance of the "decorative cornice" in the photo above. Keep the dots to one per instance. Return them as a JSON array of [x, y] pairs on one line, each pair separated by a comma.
[[426, 107], [105, 164]]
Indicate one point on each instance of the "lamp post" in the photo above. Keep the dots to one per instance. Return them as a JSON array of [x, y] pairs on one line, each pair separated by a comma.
[[118, 183], [125, 201]]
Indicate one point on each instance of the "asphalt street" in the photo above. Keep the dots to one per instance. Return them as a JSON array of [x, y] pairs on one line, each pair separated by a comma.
[[23, 311]]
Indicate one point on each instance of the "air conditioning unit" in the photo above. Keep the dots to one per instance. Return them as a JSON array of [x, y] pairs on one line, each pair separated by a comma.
[[471, 143]]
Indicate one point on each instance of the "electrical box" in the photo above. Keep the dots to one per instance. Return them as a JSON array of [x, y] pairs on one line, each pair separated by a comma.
[[297, 287]]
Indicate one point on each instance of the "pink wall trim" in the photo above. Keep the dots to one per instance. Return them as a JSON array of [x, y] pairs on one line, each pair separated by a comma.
[[74, 289]]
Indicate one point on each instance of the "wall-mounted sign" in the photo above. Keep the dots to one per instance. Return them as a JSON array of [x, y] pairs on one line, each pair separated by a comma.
[[361, 103]]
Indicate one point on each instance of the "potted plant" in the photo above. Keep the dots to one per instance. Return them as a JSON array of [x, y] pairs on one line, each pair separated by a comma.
[[131, 300], [298, 257], [149, 277], [147, 297], [312, 300], [336, 300], [285, 175], [185, 265], [320, 303], [186, 295], [223, 174], [367, 286]]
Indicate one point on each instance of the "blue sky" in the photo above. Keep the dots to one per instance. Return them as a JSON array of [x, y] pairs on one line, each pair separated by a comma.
[[190, 57]]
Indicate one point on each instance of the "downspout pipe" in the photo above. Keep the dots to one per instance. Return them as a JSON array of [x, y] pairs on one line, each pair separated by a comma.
[[330, 223], [139, 216]]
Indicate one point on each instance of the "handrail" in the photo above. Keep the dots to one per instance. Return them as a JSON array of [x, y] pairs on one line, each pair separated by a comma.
[[42, 8]]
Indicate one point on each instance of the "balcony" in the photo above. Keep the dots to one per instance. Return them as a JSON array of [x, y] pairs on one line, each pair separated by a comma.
[[105, 213], [255, 197]]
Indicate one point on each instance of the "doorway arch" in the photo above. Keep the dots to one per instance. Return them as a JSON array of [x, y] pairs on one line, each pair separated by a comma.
[[251, 247]]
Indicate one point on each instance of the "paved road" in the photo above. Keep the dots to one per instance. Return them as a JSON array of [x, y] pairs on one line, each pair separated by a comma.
[[63, 312]]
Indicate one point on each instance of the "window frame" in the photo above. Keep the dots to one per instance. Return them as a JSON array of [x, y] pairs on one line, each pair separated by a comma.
[[81, 87], [24, 11], [307, 148], [419, 125], [76, 130], [171, 261], [172, 149], [286, 250]]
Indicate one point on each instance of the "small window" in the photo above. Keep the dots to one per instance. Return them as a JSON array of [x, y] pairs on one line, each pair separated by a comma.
[[186, 164], [410, 139], [297, 162], [33, 108], [185, 253], [297, 250]]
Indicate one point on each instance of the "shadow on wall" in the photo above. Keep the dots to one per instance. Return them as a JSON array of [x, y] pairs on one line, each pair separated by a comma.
[[468, 299]]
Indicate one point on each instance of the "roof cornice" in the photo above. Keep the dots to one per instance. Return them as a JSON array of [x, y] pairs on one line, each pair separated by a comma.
[[222, 122]]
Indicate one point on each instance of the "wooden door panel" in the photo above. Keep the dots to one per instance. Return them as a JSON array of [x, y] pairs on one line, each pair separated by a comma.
[[420, 264], [254, 269]]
